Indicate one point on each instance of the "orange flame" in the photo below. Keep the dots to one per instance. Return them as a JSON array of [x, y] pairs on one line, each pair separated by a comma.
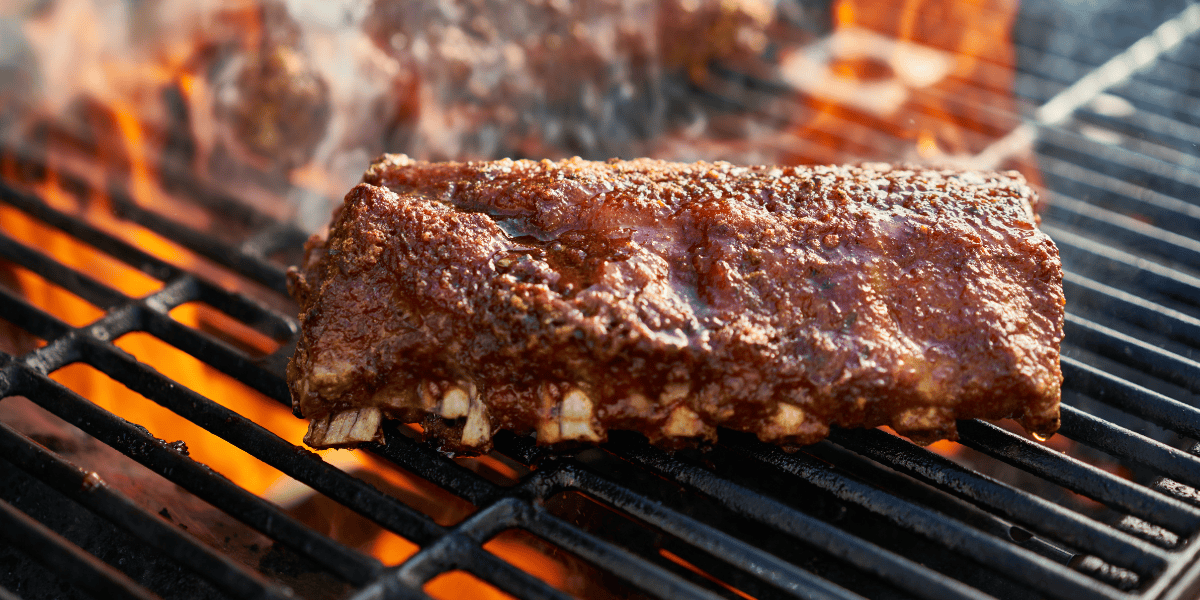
[[675, 558], [143, 187], [196, 375], [461, 584], [934, 72], [908, 76]]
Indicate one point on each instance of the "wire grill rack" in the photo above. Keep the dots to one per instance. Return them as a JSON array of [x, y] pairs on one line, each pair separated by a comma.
[[863, 514]]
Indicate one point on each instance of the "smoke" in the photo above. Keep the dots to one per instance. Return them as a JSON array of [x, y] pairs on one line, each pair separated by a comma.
[[281, 94]]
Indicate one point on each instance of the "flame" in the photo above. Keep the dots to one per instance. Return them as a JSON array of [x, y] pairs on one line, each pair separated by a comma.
[[461, 584], [879, 70], [675, 558], [933, 72], [196, 375], [141, 184], [512, 549], [129, 160], [946, 448]]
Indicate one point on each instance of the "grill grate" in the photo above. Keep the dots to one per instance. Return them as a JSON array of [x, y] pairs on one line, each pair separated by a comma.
[[864, 514]]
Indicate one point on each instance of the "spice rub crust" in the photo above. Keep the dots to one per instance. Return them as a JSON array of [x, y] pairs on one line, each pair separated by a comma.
[[570, 298]]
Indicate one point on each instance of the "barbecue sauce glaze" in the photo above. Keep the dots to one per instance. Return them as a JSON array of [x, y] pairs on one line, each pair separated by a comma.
[[682, 297]]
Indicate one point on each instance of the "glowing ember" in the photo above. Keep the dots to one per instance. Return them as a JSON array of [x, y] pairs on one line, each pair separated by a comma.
[[460, 584]]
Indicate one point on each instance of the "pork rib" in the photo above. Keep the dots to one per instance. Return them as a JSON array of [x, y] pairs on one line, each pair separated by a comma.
[[571, 298]]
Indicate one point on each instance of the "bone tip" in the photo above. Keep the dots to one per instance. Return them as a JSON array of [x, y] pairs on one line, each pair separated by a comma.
[[788, 418], [455, 403], [572, 419], [346, 428], [683, 422], [478, 429]]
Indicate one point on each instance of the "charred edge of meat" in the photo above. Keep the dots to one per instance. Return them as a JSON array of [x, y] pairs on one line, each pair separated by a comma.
[[571, 298]]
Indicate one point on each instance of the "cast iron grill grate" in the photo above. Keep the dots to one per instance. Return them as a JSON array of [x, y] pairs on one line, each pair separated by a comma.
[[864, 514]]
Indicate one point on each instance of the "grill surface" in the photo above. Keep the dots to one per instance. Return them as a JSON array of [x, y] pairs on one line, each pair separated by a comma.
[[864, 514]]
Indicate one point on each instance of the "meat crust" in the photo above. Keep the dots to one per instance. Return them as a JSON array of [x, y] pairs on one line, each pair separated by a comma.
[[571, 298]]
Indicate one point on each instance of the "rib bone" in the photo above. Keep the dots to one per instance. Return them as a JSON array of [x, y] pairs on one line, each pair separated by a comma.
[[345, 428], [572, 419], [790, 423], [789, 419], [456, 402], [683, 422], [478, 429], [576, 417]]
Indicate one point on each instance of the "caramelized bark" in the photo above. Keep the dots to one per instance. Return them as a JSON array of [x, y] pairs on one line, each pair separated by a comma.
[[570, 298]]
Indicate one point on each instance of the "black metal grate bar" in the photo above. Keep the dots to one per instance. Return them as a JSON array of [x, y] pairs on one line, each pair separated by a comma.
[[1052, 71], [1080, 477], [1032, 512], [773, 571], [855, 133], [81, 285], [738, 93], [435, 467], [149, 315], [248, 265], [247, 260], [1131, 398], [1163, 101], [1177, 68], [167, 461], [301, 464], [613, 559], [653, 579], [1131, 232], [1123, 443], [460, 549], [1119, 162], [898, 571], [236, 305], [66, 559], [179, 289], [89, 490], [1024, 566], [1092, 53], [230, 425], [35, 206], [1136, 353], [31, 318], [914, 492], [1167, 212], [1146, 131], [1092, 256], [1044, 75], [1124, 306], [348, 490], [914, 578], [261, 374], [543, 484]]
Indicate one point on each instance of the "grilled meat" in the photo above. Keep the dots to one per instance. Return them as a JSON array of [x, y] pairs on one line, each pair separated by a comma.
[[534, 78], [570, 298]]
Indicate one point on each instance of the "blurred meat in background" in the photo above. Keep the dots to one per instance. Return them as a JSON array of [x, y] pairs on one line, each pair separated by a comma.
[[286, 101], [300, 92]]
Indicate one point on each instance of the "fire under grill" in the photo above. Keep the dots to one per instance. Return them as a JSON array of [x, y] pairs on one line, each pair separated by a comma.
[[1109, 508]]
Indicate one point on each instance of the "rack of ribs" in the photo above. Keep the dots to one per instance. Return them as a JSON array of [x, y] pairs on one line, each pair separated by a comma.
[[573, 298]]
